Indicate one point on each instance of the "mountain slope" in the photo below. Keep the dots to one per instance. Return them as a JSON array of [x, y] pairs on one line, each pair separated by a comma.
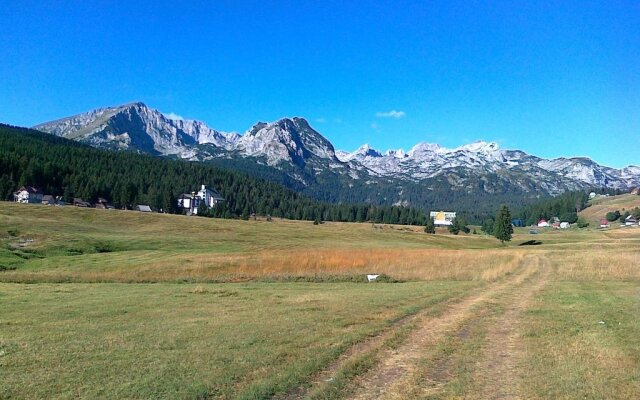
[[135, 126], [62, 167], [291, 152]]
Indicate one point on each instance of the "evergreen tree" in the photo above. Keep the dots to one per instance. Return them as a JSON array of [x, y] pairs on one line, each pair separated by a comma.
[[430, 227], [582, 223], [203, 211], [502, 228], [455, 226], [462, 224], [613, 215], [487, 226]]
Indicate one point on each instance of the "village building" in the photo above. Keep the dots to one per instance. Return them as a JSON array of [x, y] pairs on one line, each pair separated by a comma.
[[604, 223], [592, 195], [190, 202], [143, 208], [28, 195], [631, 221], [103, 204], [543, 223], [564, 225], [442, 218], [48, 200], [78, 202]]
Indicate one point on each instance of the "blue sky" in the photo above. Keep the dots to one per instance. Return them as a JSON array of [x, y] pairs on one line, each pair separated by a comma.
[[553, 78]]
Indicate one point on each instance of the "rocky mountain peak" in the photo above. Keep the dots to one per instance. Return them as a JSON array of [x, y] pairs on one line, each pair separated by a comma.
[[293, 141]]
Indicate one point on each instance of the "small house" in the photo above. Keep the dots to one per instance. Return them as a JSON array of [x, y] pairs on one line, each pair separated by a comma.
[[631, 221], [190, 202], [564, 225], [48, 200], [442, 218], [78, 202], [143, 208], [103, 204], [28, 195], [543, 223], [592, 195], [555, 225], [604, 223]]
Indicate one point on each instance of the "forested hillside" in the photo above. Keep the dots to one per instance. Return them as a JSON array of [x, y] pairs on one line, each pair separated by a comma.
[[474, 202], [566, 206], [69, 169]]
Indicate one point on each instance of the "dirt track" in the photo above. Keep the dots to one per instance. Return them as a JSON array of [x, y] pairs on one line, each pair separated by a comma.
[[406, 371]]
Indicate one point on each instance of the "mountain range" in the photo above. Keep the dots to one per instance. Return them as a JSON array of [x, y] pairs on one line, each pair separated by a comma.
[[291, 152]]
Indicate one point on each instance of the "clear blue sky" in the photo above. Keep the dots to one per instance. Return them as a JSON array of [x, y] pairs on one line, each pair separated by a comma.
[[552, 78]]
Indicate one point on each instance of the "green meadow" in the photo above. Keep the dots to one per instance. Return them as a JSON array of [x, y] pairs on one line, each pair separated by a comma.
[[120, 304]]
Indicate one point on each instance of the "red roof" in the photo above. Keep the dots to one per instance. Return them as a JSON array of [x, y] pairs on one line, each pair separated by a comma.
[[542, 221], [604, 221]]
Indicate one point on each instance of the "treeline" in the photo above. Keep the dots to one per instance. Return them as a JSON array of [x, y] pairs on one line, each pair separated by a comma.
[[65, 168], [477, 200], [565, 206]]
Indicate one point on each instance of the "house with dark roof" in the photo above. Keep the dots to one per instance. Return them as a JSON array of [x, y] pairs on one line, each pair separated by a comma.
[[78, 202], [190, 202], [27, 195], [48, 200], [103, 204]]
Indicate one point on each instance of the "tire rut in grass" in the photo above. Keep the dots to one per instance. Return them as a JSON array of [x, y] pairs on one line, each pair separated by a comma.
[[500, 373], [324, 384], [391, 337], [397, 367]]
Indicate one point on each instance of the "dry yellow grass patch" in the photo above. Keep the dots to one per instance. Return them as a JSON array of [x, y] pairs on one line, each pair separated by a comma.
[[602, 205], [403, 264], [598, 265], [428, 264]]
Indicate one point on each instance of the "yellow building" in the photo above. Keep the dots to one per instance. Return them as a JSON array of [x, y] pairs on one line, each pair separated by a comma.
[[442, 218]]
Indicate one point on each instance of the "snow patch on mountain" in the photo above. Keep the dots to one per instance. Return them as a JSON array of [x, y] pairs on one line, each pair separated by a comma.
[[293, 141]]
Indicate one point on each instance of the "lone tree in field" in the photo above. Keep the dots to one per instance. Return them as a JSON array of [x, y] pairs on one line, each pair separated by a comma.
[[502, 228], [430, 227]]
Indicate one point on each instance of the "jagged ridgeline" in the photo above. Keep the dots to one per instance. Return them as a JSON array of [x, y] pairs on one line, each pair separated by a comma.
[[67, 168], [473, 179]]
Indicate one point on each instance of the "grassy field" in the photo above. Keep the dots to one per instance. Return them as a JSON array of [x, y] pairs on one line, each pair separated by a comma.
[[116, 304]]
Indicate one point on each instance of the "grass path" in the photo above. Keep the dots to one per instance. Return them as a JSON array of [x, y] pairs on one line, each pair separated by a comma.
[[500, 372], [388, 365]]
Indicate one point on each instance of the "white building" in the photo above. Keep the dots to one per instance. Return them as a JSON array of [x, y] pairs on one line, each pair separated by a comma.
[[27, 194], [564, 225], [189, 202], [630, 221], [442, 218]]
